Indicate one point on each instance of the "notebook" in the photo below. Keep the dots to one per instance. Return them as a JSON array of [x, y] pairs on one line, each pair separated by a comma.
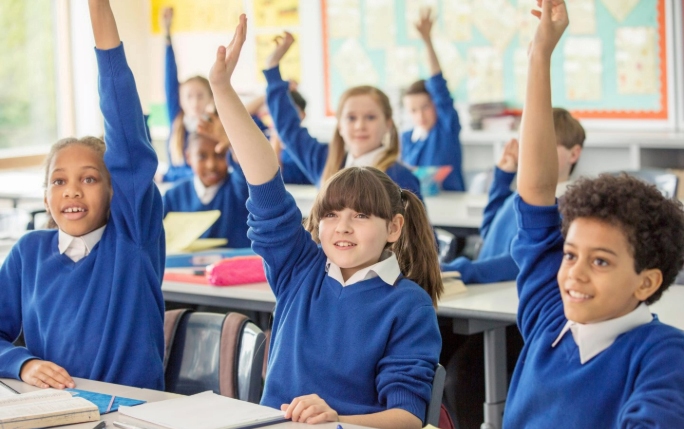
[[183, 230]]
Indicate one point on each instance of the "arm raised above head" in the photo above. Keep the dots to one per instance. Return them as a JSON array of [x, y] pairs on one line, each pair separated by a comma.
[[257, 159], [104, 25], [424, 28], [538, 159]]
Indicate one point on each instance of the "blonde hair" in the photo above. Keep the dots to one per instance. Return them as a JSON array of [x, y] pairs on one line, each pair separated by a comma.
[[371, 191], [337, 150], [94, 143], [178, 131]]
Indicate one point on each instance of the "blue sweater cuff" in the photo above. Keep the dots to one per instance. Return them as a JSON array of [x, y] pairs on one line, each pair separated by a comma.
[[408, 401], [533, 217], [272, 75], [16, 359], [501, 176], [269, 194], [111, 62]]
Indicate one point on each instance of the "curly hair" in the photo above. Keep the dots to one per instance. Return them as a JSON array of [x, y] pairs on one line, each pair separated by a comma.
[[652, 224]]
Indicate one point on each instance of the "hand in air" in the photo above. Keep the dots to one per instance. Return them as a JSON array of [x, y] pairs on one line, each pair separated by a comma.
[[509, 157], [167, 19], [228, 56], [283, 44], [309, 409], [44, 374], [212, 128], [553, 20], [424, 24]]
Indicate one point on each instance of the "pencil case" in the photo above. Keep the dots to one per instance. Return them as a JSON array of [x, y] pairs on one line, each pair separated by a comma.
[[238, 270]]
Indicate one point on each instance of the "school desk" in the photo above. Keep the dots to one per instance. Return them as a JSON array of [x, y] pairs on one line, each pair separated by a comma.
[[149, 396]]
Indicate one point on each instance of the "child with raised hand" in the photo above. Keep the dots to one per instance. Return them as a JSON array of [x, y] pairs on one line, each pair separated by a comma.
[[434, 138], [87, 295], [366, 231], [364, 127], [594, 355]]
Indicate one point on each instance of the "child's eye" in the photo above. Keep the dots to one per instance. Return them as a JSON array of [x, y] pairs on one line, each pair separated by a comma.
[[362, 216], [601, 262], [568, 256], [90, 180], [58, 182], [329, 215], [351, 118], [370, 117]]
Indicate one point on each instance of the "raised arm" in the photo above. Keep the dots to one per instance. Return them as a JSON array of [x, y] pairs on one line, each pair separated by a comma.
[[538, 163], [424, 28], [170, 69], [504, 173]]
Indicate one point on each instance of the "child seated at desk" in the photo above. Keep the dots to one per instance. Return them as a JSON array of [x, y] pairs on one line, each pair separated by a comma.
[[324, 363], [212, 188], [494, 262], [87, 296], [594, 355]]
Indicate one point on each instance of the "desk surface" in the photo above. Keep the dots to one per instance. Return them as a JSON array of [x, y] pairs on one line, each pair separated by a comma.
[[149, 396]]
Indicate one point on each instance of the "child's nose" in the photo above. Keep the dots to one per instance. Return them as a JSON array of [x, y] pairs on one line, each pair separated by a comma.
[[343, 226], [578, 271], [73, 191]]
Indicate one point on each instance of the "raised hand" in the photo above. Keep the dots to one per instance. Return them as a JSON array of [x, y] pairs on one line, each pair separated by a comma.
[[553, 20], [228, 56], [212, 128], [44, 374], [167, 20], [509, 157], [309, 409], [283, 44], [424, 24]]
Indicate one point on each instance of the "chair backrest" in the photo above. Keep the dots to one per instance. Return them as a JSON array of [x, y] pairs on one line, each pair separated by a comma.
[[446, 244], [663, 180], [435, 405], [209, 351]]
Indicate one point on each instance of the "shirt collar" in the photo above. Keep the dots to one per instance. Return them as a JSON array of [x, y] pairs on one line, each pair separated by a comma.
[[206, 193], [79, 247], [593, 338], [387, 269], [366, 160], [418, 134]]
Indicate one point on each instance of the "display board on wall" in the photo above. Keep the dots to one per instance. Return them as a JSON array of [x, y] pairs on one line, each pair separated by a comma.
[[612, 63]]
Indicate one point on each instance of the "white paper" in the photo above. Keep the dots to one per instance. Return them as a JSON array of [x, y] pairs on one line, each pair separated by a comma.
[[485, 75], [402, 66], [458, 18], [354, 65], [583, 68], [585, 10], [205, 410], [495, 19], [343, 18], [636, 60], [620, 8], [381, 31]]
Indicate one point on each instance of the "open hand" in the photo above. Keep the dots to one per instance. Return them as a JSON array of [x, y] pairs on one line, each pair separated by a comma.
[[211, 128], [44, 374], [167, 19], [424, 24], [509, 157], [283, 44], [309, 409], [553, 20], [227, 56]]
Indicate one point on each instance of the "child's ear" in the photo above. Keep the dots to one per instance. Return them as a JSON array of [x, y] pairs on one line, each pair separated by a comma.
[[575, 153], [394, 228], [651, 281]]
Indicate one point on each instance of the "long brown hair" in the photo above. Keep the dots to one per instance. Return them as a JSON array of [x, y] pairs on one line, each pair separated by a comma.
[[97, 145], [178, 131], [371, 191], [337, 150]]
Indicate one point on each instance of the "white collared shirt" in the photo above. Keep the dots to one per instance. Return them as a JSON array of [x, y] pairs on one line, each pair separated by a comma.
[[204, 193], [593, 338], [562, 188], [387, 269], [368, 159], [77, 248], [418, 134]]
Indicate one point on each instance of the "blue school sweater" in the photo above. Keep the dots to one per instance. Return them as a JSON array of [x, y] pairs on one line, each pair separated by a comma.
[[230, 200], [171, 89], [100, 318], [636, 382], [306, 151], [494, 263], [442, 145], [364, 348]]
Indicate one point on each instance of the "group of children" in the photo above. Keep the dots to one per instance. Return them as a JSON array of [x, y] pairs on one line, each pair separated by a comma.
[[87, 295]]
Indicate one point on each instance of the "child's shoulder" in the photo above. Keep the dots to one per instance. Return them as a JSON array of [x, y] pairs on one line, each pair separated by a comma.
[[37, 236], [410, 293]]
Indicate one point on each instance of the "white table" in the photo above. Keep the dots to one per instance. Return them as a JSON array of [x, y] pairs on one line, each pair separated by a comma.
[[149, 396]]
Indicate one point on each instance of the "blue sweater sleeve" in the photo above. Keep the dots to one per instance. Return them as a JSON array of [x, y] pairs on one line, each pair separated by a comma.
[[136, 204], [171, 84], [538, 251], [11, 358], [307, 152], [498, 269], [447, 117], [498, 193], [277, 234]]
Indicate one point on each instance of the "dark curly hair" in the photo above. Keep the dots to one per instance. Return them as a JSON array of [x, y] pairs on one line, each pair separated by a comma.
[[652, 224]]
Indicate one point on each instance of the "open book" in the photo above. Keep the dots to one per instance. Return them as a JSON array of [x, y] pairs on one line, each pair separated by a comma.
[[45, 408], [453, 285], [183, 230]]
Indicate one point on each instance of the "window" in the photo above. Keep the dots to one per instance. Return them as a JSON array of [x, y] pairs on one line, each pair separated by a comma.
[[28, 112]]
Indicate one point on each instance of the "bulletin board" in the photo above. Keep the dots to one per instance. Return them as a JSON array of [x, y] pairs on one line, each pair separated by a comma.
[[612, 62]]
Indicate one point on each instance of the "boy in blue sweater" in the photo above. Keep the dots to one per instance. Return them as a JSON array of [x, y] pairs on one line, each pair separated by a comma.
[[494, 262], [88, 295], [434, 138], [365, 135], [594, 355], [212, 188], [324, 364]]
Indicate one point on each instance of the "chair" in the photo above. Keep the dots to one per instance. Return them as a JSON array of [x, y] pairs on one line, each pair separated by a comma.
[[446, 245], [210, 351], [435, 405], [663, 180]]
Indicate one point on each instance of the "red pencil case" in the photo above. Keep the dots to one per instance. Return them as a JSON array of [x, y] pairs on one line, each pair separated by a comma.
[[238, 270]]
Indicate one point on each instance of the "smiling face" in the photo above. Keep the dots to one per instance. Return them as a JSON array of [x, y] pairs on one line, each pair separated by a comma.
[[422, 110], [208, 165], [78, 192], [362, 124], [597, 278], [354, 240]]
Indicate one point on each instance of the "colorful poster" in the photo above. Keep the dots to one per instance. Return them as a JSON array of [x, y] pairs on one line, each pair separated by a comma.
[[343, 19], [636, 59], [485, 75], [457, 17], [381, 33], [194, 16], [583, 68], [290, 67], [527, 23], [276, 13], [586, 11]]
